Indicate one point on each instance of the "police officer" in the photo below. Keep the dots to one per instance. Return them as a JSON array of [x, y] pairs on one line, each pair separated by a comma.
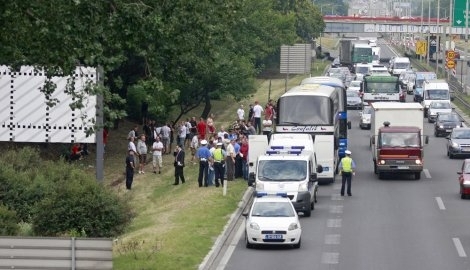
[[347, 167], [218, 155], [203, 155]]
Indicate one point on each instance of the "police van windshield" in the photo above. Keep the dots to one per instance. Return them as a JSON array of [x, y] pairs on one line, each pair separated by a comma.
[[282, 170], [437, 94]]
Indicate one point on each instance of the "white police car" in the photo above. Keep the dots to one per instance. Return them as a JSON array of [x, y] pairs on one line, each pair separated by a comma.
[[272, 220]]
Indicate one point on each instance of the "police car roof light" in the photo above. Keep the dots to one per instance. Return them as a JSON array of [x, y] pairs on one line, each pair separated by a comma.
[[301, 147], [264, 194], [291, 152]]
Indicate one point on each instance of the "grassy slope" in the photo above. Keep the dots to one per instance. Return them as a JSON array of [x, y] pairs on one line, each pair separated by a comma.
[[176, 226]]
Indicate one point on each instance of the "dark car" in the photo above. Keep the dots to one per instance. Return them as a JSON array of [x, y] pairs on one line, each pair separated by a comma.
[[464, 179], [458, 142], [445, 122]]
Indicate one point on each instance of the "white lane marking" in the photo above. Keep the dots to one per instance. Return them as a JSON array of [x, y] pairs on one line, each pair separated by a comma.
[[330, 258], [459, 247], [426, 173], [440, 203], [336, 209], [223, 262], [332, 239], [334, 223], [336, 197]]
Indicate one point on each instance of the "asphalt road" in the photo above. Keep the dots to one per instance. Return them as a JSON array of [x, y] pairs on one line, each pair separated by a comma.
[[396, 223]]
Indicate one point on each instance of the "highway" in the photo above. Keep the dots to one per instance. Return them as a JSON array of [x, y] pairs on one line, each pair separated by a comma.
[[390, 224]]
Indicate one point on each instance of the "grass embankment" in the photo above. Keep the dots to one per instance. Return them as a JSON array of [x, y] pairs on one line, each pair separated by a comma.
[[176, 226]]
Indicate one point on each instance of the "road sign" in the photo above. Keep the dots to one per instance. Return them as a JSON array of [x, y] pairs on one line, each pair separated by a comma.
[[421, 47], [450, 64], [459, 13], [450, 55]]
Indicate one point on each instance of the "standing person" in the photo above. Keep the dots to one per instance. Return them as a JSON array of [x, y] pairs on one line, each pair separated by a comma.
[[211, 172], [241, 113], [268, 128], [142, 151], [257, 111], [166, 132], [105, 138], [244, 155], [347, 167], [182, 134], [131, 146], [157, 149], [130, 166], [238, 159], [193, 126], [218, 156], [250, 114], [179, 165], [133, 133], [193, 146], [203, 155], [201, 129], [230, 160], [210, 125]]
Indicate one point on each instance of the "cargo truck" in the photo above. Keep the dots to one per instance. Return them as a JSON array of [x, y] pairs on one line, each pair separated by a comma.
[[354, 51], [397, 138]]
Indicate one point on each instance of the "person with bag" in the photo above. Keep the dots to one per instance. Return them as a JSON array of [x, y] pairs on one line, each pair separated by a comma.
[[179, 165], [218, 156], [347, 168]]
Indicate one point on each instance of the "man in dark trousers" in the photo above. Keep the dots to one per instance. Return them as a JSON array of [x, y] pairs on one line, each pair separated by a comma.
[[179, 164], [219, 160], [347, 168], [130, 166], [203, 155]]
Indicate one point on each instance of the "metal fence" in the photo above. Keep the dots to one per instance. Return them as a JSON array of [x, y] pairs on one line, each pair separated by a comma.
[[27, 253]]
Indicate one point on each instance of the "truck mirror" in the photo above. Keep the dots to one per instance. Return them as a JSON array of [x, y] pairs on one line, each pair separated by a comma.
[[245, 214], [349, 124], [313, 177], [319, 169], [426, 139]]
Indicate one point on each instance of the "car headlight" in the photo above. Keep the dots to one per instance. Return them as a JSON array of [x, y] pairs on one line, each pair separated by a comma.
[[458, 126], [455, 145], [382, 162], [303, 187], [254, 226], [441, 126], [293, 226], [418, 162]]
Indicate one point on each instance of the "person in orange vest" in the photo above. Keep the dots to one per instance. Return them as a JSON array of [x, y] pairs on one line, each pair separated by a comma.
[[347, 168]]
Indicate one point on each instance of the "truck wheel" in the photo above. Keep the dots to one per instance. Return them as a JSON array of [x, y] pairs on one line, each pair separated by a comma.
[[417, 175], [376, 170]]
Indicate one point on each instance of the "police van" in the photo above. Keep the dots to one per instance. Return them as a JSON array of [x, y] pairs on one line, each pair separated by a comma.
[[291, 169]]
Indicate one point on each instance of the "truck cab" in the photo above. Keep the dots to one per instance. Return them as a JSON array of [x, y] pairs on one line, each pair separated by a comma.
[[289, 169], [400, 64]]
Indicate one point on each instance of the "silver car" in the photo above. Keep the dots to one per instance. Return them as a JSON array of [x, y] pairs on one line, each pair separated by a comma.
[[458, 142], [353, 100], [365, 114]]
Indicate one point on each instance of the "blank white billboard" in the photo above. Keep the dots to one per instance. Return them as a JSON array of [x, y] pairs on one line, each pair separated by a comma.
[[26, 117]]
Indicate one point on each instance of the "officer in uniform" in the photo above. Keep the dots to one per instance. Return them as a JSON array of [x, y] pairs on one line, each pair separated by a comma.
[[347, 168], [203, 155], [218, 155]]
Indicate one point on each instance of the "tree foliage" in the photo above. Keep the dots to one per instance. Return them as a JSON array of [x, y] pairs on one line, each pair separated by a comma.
[[175, 54]]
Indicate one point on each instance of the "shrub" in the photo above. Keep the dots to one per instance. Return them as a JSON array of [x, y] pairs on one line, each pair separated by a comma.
[[8, 221]]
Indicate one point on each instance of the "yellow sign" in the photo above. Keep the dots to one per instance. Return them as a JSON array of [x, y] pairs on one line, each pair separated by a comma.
[[450, 64], [450, 55], [421, 47]]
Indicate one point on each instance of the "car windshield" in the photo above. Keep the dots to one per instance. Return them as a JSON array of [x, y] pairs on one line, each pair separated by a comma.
[[355, 84], [362, 70], [272, 209], [460, 134], [351, 94], [440, 105], [437, 94], [449, 118], [400, 139], [282, 170], [367, 110]]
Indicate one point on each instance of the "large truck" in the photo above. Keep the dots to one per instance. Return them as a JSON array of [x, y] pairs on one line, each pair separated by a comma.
[[354, 51], [380, 88], [397, 138], [289, 165]]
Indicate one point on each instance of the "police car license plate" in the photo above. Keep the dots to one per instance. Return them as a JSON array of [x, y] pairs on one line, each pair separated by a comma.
[[448, 130], [273, 236], [403, 167]]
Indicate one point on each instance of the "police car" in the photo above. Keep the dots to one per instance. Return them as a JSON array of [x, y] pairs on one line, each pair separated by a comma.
[[272, 220]]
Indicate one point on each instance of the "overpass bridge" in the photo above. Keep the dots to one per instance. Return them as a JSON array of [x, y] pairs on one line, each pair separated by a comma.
[[364, 24]]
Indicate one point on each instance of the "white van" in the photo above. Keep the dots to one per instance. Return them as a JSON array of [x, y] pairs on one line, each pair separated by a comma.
[[434, 90], [400, 64], [289, 165]]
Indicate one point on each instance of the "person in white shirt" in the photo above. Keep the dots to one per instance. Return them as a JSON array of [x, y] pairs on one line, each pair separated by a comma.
[[241, 113], [142, 151], [182, 134], [257, 111], [193, 146], [267, 128], [131, 146], [157, 149], [222, 132], [166, 132]]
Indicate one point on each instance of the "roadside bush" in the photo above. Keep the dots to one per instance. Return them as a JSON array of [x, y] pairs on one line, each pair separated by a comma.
[[82, 206], [8, 221]]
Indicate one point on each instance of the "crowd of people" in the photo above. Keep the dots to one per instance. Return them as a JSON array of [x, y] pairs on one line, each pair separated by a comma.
[[221, 152]]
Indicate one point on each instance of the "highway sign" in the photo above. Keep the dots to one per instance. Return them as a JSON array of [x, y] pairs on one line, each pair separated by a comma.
[[459, 14], [450, 64], [421, 47], [450, 55]]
